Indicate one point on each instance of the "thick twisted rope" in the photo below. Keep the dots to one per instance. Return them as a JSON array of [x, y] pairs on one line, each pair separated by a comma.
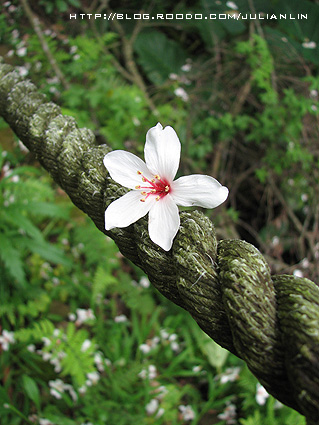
[[270, 322]]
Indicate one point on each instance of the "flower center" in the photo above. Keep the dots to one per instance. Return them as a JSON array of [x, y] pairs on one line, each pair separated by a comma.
[[156, 186]]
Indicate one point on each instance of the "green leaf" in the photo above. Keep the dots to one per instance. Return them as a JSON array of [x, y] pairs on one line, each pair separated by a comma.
[[158, 55], [47, 209], [216, 355], [14, 217], [48, 251], [11, 259], [31, 389]]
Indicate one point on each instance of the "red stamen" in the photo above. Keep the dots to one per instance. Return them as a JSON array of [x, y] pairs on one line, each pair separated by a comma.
[[157, 187]]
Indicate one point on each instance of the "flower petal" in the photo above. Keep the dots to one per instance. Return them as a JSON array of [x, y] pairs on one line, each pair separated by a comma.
[[127, 210], [162, 152], [163, 222], [203, 191], [123, 167]]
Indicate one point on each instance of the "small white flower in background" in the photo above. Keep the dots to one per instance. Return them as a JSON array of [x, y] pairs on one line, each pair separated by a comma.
[[6, 339], [99, 361], [230, 375], [309, 44], [72, 392], [15, 34], [187, 67], [175, 346], [46, 341], [144, 282], [136, 121], [187, 412], [232, 5], [31, 348], [297, 273], [275, 241], [152, 406], [44, 421], [22, 51], [12, 8], [93, 378], [261, 394], [229, 414], [120, 319], [83, 315], [154, 189], [305, 263], [22, 70], [145, 348], [149, 373], [83, 389], [57, 388], [197, 369], [86, 345], [160, 412], [313, 108], [72, 317], [164, 334], [173, 76], [57, 365], [180, 92], [160, 392], [313, 93], [73, 49]]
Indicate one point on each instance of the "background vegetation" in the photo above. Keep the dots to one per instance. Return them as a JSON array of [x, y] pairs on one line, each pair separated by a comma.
[[84, 338]]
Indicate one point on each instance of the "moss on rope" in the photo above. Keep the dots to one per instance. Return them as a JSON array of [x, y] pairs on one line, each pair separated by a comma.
[[270, 322]]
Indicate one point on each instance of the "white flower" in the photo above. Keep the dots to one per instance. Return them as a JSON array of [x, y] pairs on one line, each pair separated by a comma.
[[180, 92], [145, 348], [86, 345], [93, 378], [187, 67], [229, 414], [22, 51], [261, 395], [144, 282], [149, 373], [309, 44], [6, 339], [160, 412], [305, 263], [57, 388], [175, 346], [44, 421], [196, 369], [187, 412], [230, 375], [298, 273], [154, 189], [164, 334], [231, 5], [31, 348], [84, 315], [120, 319], [152, 406]]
